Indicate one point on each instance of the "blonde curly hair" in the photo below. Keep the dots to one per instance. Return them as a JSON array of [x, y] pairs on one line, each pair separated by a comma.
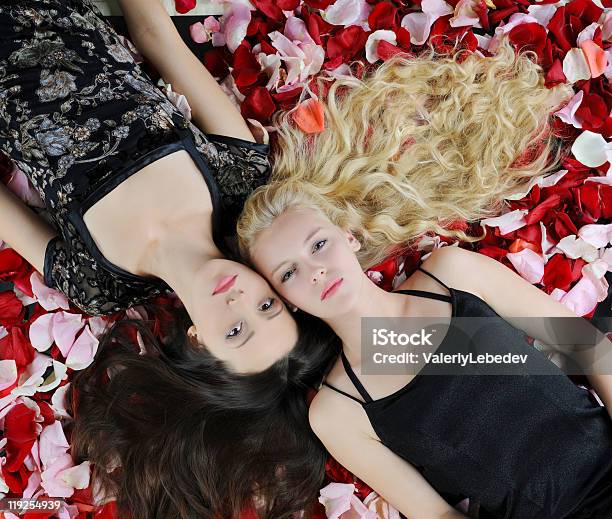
[[415, 144]]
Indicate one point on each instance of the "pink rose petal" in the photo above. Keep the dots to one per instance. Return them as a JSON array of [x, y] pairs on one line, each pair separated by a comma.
[[31, 379], [347, 13], [568, 113], [575, 66], [41, 332], [372, 43], [529, 264], [507, 222], [295, 30], [55, 378], [465, 14], [33, 485], [52, 444], [237, 19], [83, 350], [598, 235], [76, 477], [336, 498], [574, 247], [595, 57], [65, 328], [58, 401], [48, 298], [8, 373], [52, 483], [542, 13]]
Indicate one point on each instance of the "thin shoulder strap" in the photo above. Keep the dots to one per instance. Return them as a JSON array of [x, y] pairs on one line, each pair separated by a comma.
[[342, 392], [356, 382], [434, 277]]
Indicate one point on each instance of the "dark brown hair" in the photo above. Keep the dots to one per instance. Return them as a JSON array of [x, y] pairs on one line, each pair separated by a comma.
[[191, 438]]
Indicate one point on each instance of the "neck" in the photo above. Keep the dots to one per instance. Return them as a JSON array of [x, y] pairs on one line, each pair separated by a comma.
[[178, 253], [371, 302]]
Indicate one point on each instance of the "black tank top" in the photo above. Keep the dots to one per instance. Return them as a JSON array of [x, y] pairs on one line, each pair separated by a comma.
[[518, 446]]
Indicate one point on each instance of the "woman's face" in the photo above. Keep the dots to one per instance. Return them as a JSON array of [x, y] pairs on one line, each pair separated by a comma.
[[239, 318], [310, 262]]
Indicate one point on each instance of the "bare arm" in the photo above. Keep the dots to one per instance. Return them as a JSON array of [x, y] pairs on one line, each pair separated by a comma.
[[512, 297], [340, 426], [155, 36], [23, 229]]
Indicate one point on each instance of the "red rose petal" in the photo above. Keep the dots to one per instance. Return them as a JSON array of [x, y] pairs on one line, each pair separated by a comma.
[[540, 210], [558, 28], [15, 346], [529, 36], [348, 42], [184, 6], [270, 9], [383, 16], [558, 272], [11, 309], [246, 68], [258, 105]]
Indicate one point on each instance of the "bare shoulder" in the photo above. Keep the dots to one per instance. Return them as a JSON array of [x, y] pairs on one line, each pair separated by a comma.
[[333, 416], [456, 267]]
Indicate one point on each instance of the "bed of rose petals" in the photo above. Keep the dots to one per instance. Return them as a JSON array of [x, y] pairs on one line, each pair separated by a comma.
[[265, 54]]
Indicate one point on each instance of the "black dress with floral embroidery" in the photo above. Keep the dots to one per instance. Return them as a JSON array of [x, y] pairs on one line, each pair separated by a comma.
[[79, 116]]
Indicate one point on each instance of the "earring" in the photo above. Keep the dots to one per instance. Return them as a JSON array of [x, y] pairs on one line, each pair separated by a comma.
[[291, 307]]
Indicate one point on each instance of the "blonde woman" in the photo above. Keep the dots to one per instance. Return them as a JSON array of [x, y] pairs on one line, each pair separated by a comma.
[[417, 144]]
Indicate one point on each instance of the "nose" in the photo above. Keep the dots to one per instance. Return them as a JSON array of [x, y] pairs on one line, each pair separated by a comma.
[[318, 273], [234, 295]]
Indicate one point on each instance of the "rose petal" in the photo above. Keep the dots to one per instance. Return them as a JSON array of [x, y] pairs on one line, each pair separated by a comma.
[[595, 57], [65, 328], [55, 378], [198, 33], [507, 222], [295, 30], [574, 247], [32, 377], [582, 297], [52, 444], [347, 13], [83, 350], [542, 13], [309, 116], [54, 486], [598, 235], [465, 14], [529, 264], [575, 66], [41, 332], [8, 373], [591, 149], [568, 113], [237, 20], [418, 25], [76, 477], [48, 298], [336, 498], [372, 42], [58, 401]]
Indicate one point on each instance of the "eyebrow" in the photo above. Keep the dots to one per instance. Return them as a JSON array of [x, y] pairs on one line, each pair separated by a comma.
[[305, 241], [248, 337]]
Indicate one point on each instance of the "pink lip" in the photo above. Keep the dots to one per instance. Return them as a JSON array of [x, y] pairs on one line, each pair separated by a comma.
[[224, 284], [331, 288]]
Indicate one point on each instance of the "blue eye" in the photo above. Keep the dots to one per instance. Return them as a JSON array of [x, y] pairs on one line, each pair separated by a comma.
[[235, 331], [318, 245], [268, 303], [287, 275]]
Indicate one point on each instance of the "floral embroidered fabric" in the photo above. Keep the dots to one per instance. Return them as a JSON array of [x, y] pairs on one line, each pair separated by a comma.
[[79, 116]]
